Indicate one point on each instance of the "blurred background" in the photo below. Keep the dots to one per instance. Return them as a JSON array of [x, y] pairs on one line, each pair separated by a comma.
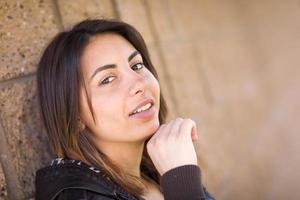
[[231, 65]]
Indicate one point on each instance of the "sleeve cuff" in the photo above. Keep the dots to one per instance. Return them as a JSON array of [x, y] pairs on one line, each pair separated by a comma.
[[182, 183]]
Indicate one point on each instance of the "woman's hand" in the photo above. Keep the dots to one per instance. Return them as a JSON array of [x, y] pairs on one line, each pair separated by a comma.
[[172, 145]]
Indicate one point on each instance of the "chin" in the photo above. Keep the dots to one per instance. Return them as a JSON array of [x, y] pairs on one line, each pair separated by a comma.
[[148, 130], [153, 127]]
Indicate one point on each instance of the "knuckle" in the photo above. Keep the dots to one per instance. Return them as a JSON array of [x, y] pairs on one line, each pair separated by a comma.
[[159, 142], [149, 146], [170, 122], [179, 119], [189, 121], [149, 143], [163, 126]]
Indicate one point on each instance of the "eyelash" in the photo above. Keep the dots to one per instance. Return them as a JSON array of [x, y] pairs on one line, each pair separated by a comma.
[[103, 82]]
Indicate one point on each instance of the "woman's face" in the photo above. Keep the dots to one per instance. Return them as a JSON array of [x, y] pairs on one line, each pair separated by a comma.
[[118, 84]]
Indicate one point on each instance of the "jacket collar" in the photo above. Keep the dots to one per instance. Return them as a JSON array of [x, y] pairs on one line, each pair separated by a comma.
[[64, 173]]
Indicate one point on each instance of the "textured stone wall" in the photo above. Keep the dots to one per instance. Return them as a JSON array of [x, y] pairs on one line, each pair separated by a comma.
[[232, 66]]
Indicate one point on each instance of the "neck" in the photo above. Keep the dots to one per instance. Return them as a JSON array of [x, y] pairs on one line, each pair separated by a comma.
[[127, 156]]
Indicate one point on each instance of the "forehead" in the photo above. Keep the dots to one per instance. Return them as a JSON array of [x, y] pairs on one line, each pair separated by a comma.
[[105, 48]]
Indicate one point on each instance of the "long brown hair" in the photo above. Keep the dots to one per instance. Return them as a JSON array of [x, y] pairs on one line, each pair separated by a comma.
[[59, 78]]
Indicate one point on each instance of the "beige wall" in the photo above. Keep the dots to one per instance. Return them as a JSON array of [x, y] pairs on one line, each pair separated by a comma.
[[233, 66]]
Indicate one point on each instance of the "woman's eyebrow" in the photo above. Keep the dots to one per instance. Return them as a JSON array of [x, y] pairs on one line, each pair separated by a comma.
[[104, 67], [109, 66], [132, 55]]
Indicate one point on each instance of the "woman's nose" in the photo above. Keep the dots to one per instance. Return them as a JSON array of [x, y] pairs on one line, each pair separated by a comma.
[[138, 85]]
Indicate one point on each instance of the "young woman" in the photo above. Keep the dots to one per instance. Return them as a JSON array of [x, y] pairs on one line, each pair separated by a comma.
[[105, 116]]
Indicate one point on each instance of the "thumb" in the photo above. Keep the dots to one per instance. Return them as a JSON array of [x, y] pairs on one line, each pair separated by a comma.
[[194, 134]]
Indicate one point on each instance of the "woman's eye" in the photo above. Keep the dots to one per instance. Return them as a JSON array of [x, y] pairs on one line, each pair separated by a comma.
[[137, 66], [107, 80]]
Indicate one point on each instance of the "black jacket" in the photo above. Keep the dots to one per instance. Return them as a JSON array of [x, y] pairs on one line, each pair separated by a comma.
[[74, 180]]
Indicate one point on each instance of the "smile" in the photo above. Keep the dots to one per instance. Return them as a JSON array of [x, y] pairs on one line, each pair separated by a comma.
[[143, 108]]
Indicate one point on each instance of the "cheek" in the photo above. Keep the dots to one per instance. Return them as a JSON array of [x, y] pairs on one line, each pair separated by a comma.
[[155, 87], [108, 110], [84, 110]]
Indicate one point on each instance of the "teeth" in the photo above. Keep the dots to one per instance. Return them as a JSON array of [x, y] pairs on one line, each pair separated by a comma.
[[145, 107]]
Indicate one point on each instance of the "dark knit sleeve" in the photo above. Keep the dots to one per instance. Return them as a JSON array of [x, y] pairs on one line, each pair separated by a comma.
[[182, 183]]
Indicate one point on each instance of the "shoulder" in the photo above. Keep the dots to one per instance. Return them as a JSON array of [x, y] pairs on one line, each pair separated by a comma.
[[69, 179], [81, 194]]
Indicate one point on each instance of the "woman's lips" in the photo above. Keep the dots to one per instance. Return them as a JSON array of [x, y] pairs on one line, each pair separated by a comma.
[[141, 104], [144, 114]]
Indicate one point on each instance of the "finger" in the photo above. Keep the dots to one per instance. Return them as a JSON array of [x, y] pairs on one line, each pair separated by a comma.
[[158, 132], [175, 127], [166, 132], [188, 130], [194, 134]]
